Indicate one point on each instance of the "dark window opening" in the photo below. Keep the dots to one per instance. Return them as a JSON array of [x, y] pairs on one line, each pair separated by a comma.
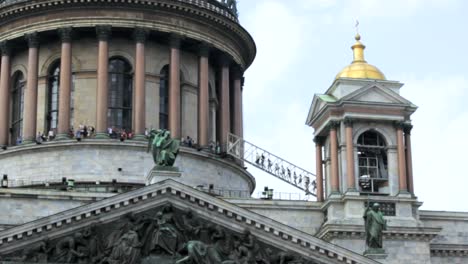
[[164, 98], [120, 97], [17, 93], [372, 161]]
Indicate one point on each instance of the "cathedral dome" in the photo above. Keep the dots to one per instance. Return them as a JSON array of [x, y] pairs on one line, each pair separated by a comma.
[[359, 68]]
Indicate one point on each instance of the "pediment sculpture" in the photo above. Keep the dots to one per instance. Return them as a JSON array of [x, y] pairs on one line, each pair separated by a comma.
[[164, 235]]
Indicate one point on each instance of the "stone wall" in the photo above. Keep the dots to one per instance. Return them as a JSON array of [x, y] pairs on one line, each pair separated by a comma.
[[302, 215], [99, 160]]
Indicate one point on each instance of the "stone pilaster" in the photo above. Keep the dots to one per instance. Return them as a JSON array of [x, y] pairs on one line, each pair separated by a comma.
[[409, 157], [5, 73], [403, 185], [319, 168], [335, 183], [350, 164], [225, 121], [237, 106], [140, 96], [103, 34], [65, 83], [203, 95], [174, 87], [30, 95]]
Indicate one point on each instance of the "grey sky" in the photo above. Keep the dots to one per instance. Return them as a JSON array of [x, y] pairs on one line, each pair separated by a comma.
[[303, 44]]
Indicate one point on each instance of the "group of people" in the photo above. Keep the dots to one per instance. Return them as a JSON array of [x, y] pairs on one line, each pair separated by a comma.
[[83, 131], [41, 137], [121, 133], [284, 173]]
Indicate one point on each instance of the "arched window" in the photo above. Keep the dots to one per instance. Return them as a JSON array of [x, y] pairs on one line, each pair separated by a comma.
[[164, 98], [372, 161], [120, 100], [17, 97], [53, 91], [53, 96]]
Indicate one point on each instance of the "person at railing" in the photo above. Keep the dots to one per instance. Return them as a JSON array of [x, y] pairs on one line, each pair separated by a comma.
[[289, 174], [269, 165], [300, 179], [262, 159], [295, 178], [257, 159], [277, 169], [39, 139], [282, 171]]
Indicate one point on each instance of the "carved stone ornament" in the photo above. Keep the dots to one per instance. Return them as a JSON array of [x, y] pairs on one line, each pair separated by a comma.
[[164, 235]]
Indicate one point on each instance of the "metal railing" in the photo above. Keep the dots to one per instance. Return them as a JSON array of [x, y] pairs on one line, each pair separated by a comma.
[[257, 195], [294, 175]]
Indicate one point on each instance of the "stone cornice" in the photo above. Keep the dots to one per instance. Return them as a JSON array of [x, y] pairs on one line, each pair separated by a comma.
[[183, 197], [222, 29], [332, 231], [449, 250]]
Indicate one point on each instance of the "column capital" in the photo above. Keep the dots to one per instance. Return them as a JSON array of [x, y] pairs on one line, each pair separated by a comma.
[[334, 124], [175, 40], [237, 72], [65, 34], [348, 122], [407, 128], [32, 39], [203, 50], [224, 60], [5, 48], [103, 32], [318, 140], [399, 124], [140, 34]]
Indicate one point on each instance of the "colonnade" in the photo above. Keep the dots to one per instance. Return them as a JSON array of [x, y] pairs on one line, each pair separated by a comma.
[[103, 38], [405, 166]]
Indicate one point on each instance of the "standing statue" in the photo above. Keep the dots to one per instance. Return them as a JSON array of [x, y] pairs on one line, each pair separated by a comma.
[[374, 224], [165, 149]]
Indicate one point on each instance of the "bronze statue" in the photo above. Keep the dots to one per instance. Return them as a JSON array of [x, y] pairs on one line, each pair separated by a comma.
[[165, 149], [374, 224]]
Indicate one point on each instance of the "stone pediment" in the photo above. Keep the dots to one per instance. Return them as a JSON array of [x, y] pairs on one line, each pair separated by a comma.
[[167, 222], [375, 93], [318, 103]]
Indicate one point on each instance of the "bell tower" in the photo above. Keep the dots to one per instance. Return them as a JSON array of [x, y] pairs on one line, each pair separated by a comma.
[[363, 144]]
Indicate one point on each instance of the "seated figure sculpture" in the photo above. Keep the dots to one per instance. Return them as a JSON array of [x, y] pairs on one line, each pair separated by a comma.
[[165, 148]]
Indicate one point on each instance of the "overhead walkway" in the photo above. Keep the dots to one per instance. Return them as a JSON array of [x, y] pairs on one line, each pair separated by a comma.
[[275, 166]]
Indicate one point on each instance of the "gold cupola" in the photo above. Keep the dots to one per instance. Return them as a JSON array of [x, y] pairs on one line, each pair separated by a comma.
[[359, 68]]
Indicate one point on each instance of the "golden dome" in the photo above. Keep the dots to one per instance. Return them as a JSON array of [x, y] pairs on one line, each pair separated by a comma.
[[359, 68]]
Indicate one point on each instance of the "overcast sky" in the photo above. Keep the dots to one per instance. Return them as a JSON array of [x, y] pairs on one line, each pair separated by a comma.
[[303, 44]]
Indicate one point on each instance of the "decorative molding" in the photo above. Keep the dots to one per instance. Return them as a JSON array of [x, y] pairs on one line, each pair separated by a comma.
[[338, 231], [448, 250]]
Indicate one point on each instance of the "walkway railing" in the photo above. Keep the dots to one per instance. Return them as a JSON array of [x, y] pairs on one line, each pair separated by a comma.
[[294, 175]]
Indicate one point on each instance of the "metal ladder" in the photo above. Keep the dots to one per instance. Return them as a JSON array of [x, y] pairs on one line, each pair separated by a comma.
[[294, 175]]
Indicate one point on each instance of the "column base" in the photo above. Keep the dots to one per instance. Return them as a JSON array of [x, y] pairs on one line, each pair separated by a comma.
[[404, 193], [62, 137], [334, 194], [140, 138], [352, 192], [28, 141], [101, 135]]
